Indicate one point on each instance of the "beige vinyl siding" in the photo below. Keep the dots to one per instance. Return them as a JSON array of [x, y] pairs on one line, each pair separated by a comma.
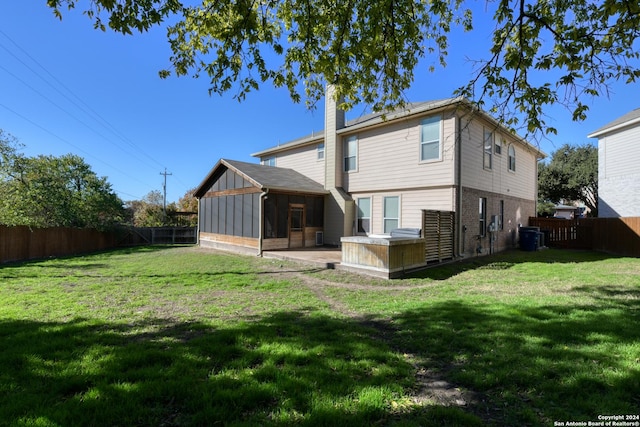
[[411, 205], [304, 160], [389, 158], [498, 179]]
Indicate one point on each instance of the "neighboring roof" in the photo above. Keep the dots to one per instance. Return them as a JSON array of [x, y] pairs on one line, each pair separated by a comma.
[[565, 207], [628, 119], [263, 177], [376, 119]]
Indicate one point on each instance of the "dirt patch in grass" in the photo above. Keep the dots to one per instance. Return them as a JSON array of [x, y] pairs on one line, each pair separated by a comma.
[[431, 386]]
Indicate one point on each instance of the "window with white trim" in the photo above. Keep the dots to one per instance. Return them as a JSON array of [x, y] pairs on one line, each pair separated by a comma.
[[320, 150], [430, 139], [391, 213], [512, 158], [487, 149], [364, 215], [269, 161], [350, 153], [482, 213], [498, 146]]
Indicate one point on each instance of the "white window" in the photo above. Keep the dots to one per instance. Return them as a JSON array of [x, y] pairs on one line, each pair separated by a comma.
[[391, 209], [488, 149], [498, 147], [321, 151], [483, 216], [512, 158], [364, 215], [430, 139], [269, 161], [351, 154]]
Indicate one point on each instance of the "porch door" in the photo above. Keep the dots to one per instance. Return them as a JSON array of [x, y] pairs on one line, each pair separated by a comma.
[[296, 226]]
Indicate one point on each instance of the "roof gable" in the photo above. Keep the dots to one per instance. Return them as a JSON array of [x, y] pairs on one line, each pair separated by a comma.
[[263, 177]]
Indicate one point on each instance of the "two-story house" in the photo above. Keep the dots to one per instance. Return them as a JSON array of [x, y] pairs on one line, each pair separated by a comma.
[[618, 174], [374, 174]]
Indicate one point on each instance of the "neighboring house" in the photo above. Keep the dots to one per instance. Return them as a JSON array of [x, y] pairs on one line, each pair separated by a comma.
[[375, 174], [618, 173], [565, 212]]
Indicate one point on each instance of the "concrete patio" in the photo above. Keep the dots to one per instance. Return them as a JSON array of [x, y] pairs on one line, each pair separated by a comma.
[[321, 256]]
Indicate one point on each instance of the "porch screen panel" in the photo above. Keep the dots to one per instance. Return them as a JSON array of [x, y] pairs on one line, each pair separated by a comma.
[[229, 217], [202, 215], [315, 211], [270, 212], [206, 215], [282, 216], [247, 215], [213, 207], [237, 215], [222, 214]]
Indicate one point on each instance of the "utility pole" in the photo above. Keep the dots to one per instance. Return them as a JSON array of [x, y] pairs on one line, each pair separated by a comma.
[[164, 191]]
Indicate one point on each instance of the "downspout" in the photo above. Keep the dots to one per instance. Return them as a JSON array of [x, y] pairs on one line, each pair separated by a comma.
[[460, 234], [263, 195], [198, 227], [536, 188]]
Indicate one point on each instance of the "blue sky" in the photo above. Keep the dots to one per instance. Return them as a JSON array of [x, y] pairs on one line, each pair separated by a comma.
[[67, 88]]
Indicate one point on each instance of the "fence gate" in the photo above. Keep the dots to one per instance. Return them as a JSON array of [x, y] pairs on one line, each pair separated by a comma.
[[438, 229]]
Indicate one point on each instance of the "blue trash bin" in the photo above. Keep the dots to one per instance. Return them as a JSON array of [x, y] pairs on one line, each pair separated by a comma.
[[529, 238]]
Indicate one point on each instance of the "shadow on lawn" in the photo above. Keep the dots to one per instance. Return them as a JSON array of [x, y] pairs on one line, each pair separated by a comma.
[[527, 367], [507, 259]]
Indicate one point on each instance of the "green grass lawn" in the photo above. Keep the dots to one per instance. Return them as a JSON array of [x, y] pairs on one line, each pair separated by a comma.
[[165, 336]]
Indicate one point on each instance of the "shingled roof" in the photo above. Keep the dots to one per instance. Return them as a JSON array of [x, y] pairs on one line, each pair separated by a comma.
[[626, 120], [264, 177]]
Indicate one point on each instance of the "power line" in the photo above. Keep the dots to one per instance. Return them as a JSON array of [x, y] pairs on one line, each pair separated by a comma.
[[71, 144], [84, 107]]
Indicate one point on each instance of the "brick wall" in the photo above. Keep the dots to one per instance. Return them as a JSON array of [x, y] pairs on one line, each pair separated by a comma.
[[516, 212]]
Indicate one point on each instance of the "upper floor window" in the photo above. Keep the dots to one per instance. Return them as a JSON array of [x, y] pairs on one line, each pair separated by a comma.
[[487, 149], [350, 154], [498, 146], [512, 158], [269, 161], [430, 139], [320, 150]]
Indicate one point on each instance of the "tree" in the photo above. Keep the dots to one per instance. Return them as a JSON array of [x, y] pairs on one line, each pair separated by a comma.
[[370, 49], [572, 174], [188, 202], [48, 191], [148, 211]]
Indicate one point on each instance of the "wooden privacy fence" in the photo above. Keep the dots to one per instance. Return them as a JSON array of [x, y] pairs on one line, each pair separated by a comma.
[[620, 236], [23, 243]]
